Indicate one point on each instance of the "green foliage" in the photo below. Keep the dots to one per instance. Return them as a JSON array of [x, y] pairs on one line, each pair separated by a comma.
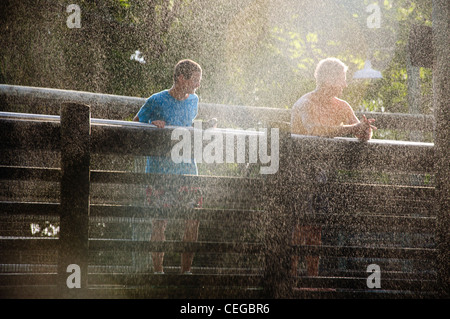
[[253, 52]]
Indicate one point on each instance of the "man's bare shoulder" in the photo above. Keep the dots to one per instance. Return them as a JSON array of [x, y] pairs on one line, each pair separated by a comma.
[[346, 111], [344, 106], [342, 103], [304, 101]]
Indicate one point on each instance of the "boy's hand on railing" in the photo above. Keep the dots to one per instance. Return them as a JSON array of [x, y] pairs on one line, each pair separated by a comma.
[[159, 123]]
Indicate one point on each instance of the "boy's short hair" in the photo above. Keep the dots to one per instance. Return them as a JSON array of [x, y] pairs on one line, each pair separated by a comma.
[[328, 69], [186, 68]]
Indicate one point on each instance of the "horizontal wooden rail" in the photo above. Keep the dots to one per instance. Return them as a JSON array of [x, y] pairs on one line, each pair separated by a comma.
[[30, 243], [196, 247], [116, 107], [352, 222], [129, 139], [30, 135], [361, 283], [105, 211], [348, 153], [366, 252], [20, 208], [30, 173], [122, 177]]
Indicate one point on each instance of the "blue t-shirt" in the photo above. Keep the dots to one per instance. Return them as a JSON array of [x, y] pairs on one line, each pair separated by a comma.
[[163, 106]]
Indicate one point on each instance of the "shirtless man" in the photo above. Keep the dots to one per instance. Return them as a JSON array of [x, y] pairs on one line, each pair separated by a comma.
[[322, 113]]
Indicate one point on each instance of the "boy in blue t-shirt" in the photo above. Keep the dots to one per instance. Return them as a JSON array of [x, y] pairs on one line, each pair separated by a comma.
[[177, 106], [164, 109]]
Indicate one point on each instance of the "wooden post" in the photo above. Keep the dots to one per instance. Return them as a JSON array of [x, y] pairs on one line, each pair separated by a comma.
[[279, 226], [74, 219], [441, 94]]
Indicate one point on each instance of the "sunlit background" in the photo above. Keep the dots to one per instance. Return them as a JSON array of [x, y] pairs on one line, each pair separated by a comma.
[[254, 52]]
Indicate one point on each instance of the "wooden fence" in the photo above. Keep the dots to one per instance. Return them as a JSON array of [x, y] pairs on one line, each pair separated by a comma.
[[65, 203], [24, 99]]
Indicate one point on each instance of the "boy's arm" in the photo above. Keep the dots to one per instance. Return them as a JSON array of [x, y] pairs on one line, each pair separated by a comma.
[[157, 123], [145, 112], [194, 110]]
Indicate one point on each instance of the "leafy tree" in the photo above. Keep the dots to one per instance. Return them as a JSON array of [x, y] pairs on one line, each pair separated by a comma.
[[254, 52]]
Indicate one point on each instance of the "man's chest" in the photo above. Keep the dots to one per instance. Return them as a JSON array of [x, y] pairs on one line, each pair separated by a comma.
[[329, 115]]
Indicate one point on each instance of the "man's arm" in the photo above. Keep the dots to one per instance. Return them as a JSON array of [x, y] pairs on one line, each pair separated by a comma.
[[332, 131], [362, 130], [350, 125], [312, 122]]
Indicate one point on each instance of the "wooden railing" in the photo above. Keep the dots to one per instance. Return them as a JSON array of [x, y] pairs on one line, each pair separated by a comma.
[[419, 127], [78, 174]]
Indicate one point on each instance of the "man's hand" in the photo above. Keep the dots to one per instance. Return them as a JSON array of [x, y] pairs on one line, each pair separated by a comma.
[[364, 129], [159, 123]]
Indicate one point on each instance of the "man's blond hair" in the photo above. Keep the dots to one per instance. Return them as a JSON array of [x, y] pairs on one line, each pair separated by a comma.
[[329, 69]]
